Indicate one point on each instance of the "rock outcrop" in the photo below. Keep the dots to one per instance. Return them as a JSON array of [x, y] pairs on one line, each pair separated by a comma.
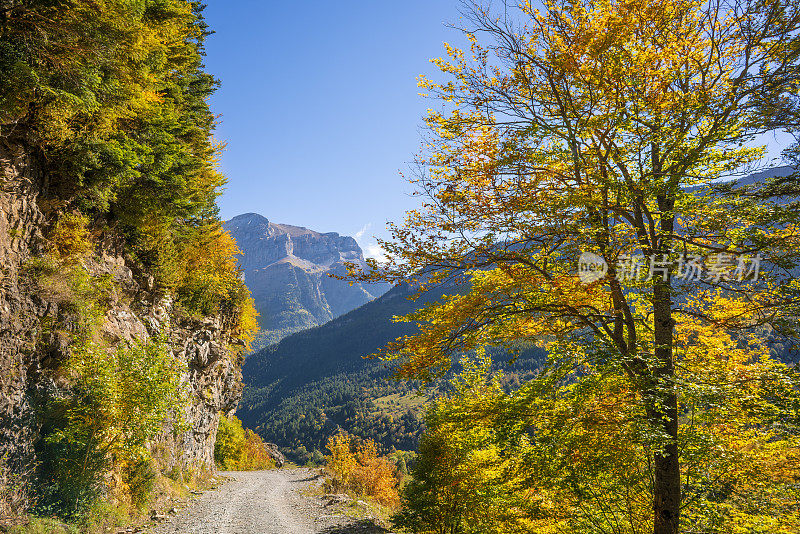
[[31, 352], [21, 312], [276, 455], [286, 269]]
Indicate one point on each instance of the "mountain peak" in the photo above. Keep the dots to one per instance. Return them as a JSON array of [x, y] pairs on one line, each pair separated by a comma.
[[286, 268], [249, 218]]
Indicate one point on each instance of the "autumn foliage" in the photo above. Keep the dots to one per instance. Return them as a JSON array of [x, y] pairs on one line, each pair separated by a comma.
[[211, 282], [239, 448], [109, 102], [114, 103], [570, 453], [355, 467], [608, 128]]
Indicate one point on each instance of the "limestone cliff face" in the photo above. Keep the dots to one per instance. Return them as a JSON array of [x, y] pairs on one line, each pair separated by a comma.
[[31, 353], [286, 269]]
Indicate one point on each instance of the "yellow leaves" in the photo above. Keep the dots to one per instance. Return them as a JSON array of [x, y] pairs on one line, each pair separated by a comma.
[[733, 396], [525, 306], [97, 67], [731, 442], [240, 449], [209, 281], [641, 55], [589, 131], [355, 466], [246, 326], [70, 238], [579, 451], [213, 254], [454, 53], [123, 396]]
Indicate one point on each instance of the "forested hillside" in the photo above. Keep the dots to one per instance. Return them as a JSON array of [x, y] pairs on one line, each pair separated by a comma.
[[123, 313], [301, 391]]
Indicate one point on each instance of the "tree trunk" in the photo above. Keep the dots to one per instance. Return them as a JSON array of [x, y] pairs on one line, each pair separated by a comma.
[[663, 413]]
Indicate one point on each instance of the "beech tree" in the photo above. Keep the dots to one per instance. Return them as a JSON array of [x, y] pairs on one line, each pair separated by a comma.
[[600, 127]]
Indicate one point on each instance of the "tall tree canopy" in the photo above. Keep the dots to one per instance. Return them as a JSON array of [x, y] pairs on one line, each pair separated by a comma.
[[599, 127], [110, 99], [105, 103]]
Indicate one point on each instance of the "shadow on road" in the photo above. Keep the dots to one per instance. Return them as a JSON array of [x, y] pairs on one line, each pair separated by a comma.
[[311, 478], [359, 527]]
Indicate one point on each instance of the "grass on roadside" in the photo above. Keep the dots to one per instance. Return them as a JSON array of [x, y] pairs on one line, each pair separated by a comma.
[[102, 517]]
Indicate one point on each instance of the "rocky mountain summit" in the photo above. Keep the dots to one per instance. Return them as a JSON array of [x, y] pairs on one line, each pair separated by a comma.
[[287, 269]]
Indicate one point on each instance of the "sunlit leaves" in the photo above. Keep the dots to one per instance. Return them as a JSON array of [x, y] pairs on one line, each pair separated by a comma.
[[112, 99], [240, 449], [602, 126], [354, 466]]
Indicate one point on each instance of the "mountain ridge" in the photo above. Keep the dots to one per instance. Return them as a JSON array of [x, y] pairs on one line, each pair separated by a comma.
[[288, 270]]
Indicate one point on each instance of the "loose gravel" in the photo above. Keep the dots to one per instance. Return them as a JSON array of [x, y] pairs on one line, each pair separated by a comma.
[[279, 501]]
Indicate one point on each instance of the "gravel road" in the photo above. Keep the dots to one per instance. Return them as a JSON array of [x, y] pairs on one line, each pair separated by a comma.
[[280, 501]]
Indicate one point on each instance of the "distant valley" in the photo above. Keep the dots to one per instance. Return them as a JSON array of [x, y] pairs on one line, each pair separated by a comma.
[[302, 390]]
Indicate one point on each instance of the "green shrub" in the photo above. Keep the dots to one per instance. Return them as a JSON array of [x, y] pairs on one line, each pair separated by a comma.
[[44, 526], [140, 476], [61, 277], [114, 103], [119, 401]]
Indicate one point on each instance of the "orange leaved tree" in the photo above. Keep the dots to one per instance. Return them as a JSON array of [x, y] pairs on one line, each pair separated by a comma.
[[355, 466]]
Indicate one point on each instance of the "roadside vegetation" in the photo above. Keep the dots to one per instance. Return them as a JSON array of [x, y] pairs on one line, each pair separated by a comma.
[[240, 449], [354, 467]]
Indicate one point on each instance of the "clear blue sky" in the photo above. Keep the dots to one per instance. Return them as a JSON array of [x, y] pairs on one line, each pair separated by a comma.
[[320, 107]]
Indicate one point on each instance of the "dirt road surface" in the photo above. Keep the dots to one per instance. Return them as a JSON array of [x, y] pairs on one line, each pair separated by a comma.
[[280, 501]]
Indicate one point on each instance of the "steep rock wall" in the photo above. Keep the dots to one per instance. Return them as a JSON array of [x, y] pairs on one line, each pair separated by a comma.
[[21, 311], [31, 353]]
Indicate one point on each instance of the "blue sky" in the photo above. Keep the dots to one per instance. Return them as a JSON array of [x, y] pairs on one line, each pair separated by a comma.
[[320, 107]]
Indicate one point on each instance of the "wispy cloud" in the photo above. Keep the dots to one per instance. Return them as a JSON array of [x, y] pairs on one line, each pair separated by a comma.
[[374, 250], [368, 244], [360, 234]]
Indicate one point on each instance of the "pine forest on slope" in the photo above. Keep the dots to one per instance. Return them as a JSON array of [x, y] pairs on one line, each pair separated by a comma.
[[300, 391]]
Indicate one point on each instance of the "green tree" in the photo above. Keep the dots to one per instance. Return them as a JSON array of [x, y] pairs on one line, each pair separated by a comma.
[[108, 100], [120, 400], [571, 453], [461, 481], [111, 99]]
